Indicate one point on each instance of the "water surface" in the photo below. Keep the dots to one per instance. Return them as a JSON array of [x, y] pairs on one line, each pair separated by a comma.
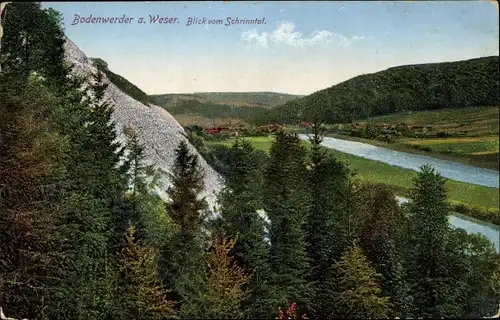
[[448, 169]]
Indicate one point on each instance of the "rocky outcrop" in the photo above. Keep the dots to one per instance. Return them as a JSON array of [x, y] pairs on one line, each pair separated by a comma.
[[156, 129]]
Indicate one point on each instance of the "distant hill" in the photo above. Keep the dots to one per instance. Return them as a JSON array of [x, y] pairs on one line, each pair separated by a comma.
[[430, 86], [257, 99], [200, 108], [123, 84]]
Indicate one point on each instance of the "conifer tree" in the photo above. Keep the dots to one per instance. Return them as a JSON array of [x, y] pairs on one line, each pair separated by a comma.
[[380, 222], [435, 284], [287, 203], [28, 159], [184, 263], [239, 203], [141, 292], [327, 225], [33, 42], [359, 293], [90, 190], [185, 207], [226, 283]]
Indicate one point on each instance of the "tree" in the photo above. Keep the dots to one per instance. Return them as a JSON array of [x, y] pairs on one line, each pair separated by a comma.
[[286, 203], [185, 207], [90, 190], [435, 282], [379, 225], [29, 157], [226, 282], [141, 292], [239, 203], [359, 293], [33, 42], [327, 224], [183, 259], [474, 262]]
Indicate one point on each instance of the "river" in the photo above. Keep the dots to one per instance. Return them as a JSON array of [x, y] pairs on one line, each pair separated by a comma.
[[471, 225], [448, 169]]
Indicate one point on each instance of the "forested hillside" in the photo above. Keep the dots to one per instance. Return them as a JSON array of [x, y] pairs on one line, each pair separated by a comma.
[[262, 99], [456, 84], [225, 107], [122, 83], [84, 233]]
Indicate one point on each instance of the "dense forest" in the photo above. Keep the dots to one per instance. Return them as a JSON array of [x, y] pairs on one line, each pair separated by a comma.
[[212, 110], [420, 87], [82, 235]]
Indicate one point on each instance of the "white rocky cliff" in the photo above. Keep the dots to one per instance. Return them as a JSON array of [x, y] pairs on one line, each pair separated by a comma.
[[156, 129]]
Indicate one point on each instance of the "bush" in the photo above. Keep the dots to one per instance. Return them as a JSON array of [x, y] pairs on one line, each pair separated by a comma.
[[489, 215], [389, 138]]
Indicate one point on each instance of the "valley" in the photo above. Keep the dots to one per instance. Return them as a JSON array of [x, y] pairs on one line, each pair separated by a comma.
[[374, 195]]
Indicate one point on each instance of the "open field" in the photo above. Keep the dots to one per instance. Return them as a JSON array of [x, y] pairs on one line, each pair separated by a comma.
[[193, 119], [462, 145], [479, 147], [477, 121], [401, 179]]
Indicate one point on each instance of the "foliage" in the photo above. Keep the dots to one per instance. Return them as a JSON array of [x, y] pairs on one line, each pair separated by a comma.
[[489, 215], [69, 193], [434, 275], [185, 208], [28, 159], [239, 204], [327, 226], [379, 222], [140, 290], [254, 99], [290, 313], [431, 86], [286, 203], [359, 293], [226, 282]]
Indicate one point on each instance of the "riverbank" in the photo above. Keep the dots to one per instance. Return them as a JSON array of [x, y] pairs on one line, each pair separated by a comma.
[[465, 195], [485, 160]]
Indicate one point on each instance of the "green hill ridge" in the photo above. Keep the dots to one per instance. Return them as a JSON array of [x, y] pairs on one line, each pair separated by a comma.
[[430, 86]]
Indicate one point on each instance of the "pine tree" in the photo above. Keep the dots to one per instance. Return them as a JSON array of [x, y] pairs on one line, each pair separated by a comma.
[[327, 226], [33, 42], [184, 264], [142, 294], [185, 207], [239, 203], [435, 285], [286, 203], [29, 154], [379, 223], [90, 190], [226, 283], [359, 293]]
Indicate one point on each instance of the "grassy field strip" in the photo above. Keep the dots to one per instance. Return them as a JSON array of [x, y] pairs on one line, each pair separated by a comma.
[[399, 178], [472, 145], [478, 120]]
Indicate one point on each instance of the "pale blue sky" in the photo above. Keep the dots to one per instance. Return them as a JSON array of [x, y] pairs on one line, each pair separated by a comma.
[[303, 47]]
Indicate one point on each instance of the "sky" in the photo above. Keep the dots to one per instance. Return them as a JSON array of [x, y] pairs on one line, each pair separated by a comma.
[[300, 47]]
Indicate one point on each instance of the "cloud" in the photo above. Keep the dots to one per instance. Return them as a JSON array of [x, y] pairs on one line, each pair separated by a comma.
[[285, 33]]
